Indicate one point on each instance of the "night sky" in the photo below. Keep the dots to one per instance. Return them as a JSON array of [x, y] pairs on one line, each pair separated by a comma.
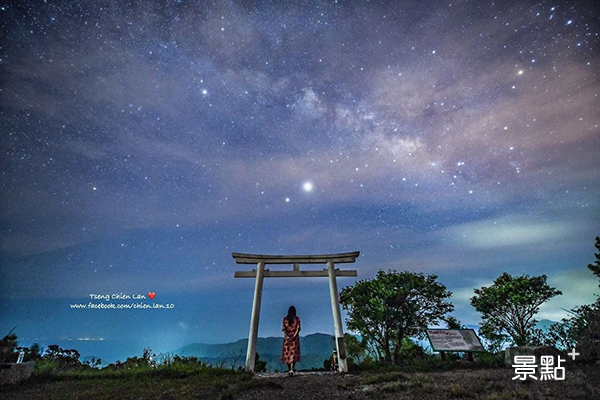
[[143, 142]]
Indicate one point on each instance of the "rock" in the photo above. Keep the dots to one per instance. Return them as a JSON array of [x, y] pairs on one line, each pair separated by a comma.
[[11, 373]]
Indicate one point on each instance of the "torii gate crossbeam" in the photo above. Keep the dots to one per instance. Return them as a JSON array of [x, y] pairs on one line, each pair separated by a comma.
[[260, 273]]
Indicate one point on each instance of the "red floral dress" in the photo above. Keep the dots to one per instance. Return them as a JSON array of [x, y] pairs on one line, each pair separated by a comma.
[[291, 347]]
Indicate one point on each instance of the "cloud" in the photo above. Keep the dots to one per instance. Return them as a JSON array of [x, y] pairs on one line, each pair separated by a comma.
[[464, 294], [509, 231], [310, 105], [579, 287], [402, 146], [183, 326]]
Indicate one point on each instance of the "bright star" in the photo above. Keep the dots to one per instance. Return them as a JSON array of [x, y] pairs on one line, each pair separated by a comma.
[[308, 186], [287, 199]]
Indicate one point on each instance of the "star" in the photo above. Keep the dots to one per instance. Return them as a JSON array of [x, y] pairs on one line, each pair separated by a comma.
[[308, 186]]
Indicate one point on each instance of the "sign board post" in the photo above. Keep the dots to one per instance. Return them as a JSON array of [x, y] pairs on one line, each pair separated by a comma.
[[20, 358]]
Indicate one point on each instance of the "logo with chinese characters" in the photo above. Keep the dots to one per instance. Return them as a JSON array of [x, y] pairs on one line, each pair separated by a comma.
[[527, 367]]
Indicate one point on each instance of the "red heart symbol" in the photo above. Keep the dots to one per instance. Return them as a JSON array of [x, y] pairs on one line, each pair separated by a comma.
[[151, 295]]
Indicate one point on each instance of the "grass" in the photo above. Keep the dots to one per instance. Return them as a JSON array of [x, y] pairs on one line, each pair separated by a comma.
[[458, 391], [430, 363], [499, 396], [395, 382], [202, 382], [483, 384], [394, 387], [381, 378], [175, 371], [249, 386], [168, 381]]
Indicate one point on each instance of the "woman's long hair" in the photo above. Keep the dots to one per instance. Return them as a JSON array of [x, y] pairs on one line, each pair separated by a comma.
[[291, 315]]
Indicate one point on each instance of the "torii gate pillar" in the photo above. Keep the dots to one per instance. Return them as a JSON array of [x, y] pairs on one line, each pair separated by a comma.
[[337, 319], [330, 272], [253, 335]]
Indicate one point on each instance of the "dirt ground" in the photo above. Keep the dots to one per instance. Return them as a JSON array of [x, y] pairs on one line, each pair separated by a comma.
[[463, 384]]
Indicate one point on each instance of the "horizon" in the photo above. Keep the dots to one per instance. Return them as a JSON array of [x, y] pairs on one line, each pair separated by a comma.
[[93, 347]]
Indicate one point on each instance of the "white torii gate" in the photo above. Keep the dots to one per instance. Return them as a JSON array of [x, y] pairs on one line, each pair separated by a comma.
[[260, 273]]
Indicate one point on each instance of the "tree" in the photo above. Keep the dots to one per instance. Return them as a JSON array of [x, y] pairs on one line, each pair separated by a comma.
[[259, 365], [453, 323], [494, 341], [566, 333], [8, 347], [589, 335], [355, 349], [148, 359], [589, 339], [595, 267], [582, 328], [35, 353], [94, 362], [510, 304], [236, 359], [62, 358], [393, 306]]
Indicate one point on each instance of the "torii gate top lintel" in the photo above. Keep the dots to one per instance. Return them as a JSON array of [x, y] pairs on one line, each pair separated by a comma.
[[243, 258]]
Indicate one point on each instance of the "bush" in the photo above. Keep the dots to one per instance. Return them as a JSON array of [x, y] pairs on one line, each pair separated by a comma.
[[259, 365], [45, 367], [147, 360], [491, 360], [180, 360], [327, 364], [58, 359], [589, 339], [8, 347]]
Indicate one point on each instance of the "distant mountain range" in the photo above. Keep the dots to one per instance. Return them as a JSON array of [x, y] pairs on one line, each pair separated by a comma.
[[314, 348], [544, 324]]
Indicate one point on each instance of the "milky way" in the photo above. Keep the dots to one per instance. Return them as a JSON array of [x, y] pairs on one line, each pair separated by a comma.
[[143, 142]]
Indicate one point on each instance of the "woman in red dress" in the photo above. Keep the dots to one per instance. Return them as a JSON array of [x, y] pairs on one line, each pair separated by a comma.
[[291, 341]]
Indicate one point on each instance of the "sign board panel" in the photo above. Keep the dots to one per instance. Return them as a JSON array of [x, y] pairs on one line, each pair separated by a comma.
[[454, 340]]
